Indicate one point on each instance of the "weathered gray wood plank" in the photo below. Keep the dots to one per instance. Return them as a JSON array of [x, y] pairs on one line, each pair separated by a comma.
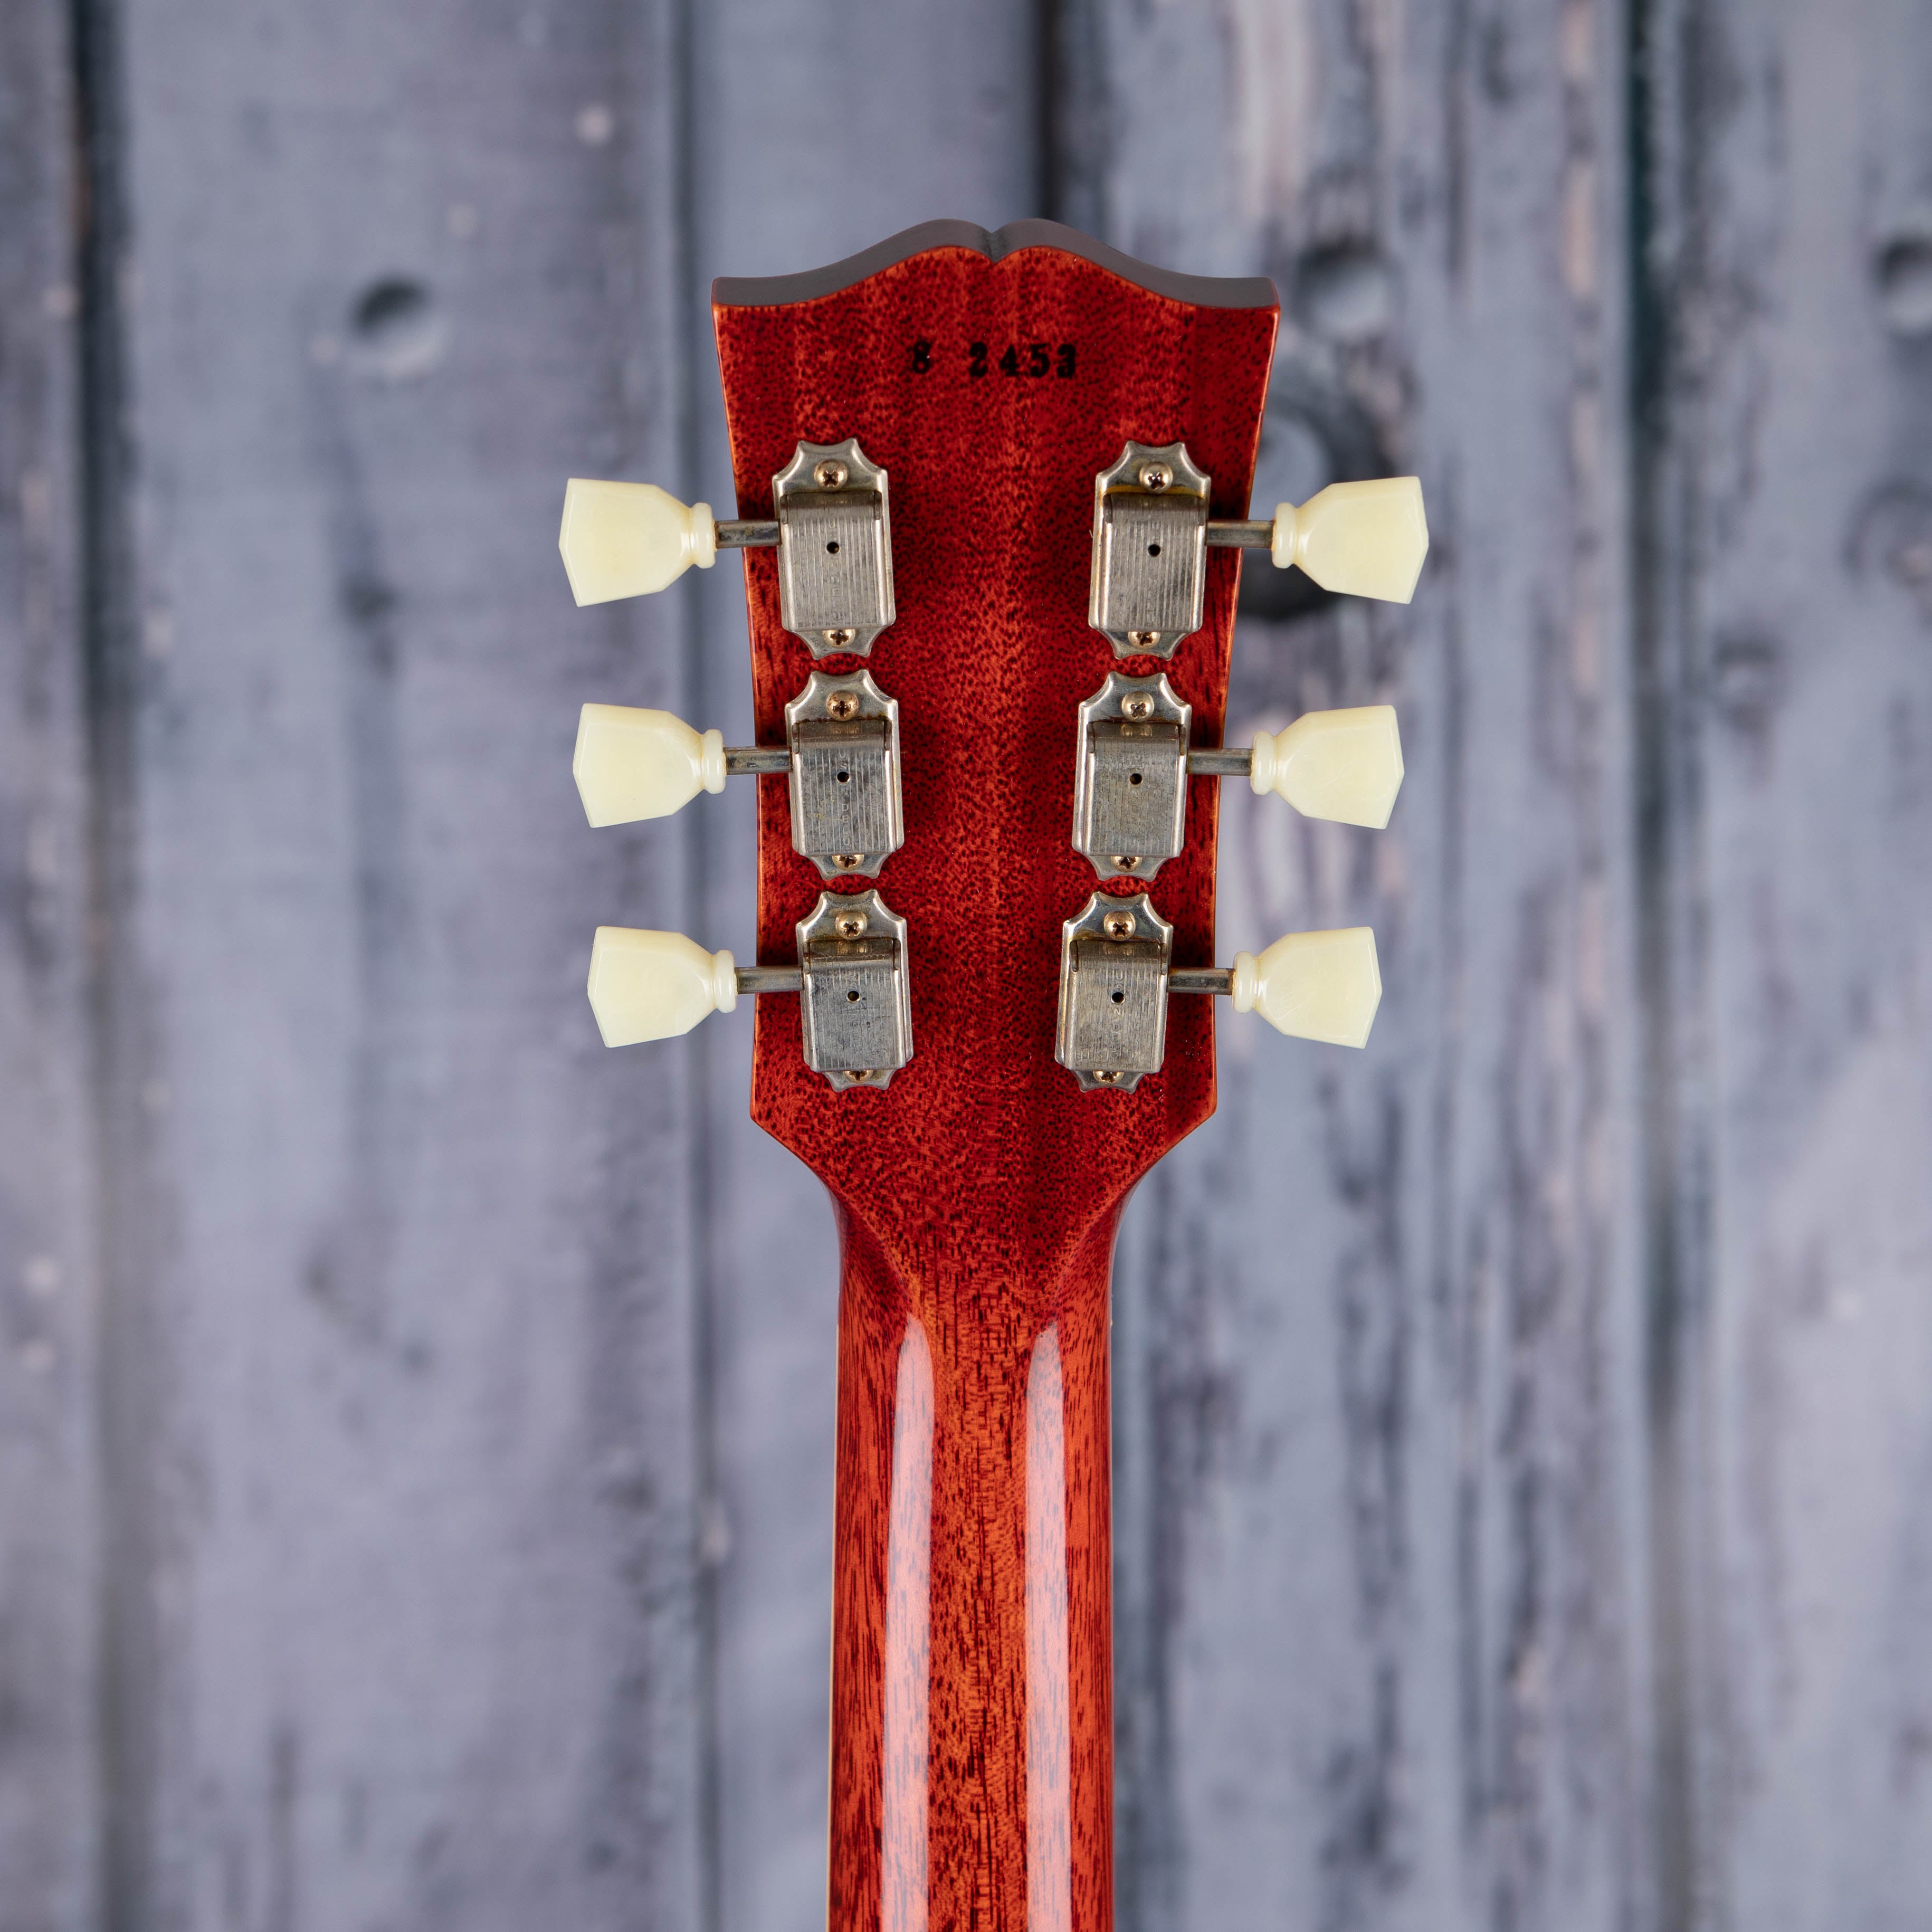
[[937, 104], [417, 1265], [49, 1525], [1381, 1608], [1790, 205]]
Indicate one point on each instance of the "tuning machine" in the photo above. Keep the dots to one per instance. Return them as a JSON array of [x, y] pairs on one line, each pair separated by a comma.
[[831, 526], [1152, 533], [841, 754], [1117, 970], [1134, 760], [851, 976]]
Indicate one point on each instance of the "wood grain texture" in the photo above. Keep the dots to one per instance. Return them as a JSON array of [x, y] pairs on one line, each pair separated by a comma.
[[1789, 525], [418, 1437], [977, 1195], [49, 1520], [1379, 1419]]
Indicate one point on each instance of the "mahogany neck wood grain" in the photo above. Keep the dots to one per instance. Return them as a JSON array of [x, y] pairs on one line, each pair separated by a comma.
[[972, 1686]]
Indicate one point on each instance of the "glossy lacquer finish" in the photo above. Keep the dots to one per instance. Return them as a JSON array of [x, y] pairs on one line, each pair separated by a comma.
[[978, 1196]]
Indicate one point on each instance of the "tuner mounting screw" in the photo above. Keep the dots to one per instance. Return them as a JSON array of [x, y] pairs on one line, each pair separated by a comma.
[[831, 474], [849, 924], [1156, 476], [1123, 862], [1106, 1076], [848, 862], [1137, 704], [842, 704], [1118, 925], [1144, 641], [837, 640]]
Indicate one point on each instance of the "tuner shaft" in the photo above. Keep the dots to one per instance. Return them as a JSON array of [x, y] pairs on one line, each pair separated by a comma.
[[770, 979], [749, 760], [1214, 761], [1182, 979], [1222, 534]]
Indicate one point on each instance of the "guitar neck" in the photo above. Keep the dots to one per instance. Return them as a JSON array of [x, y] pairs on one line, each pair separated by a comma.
[[972, 1759], [972, 1773], [1009, 714]]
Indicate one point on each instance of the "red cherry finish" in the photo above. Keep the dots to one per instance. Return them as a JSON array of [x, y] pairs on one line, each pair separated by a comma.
[[977, 1198]]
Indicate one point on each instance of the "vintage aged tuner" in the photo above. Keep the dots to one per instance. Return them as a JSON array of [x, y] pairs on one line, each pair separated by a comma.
[[831, 528], [1152, 532], [1116, 972], [1134, 760], [842, 752], [856, 1005]]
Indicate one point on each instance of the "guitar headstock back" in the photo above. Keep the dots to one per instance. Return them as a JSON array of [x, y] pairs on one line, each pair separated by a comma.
[[944, 441], [992, 377]]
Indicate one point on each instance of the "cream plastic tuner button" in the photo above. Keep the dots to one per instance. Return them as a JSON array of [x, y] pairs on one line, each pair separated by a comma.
[[1362, 539], [1313, 985], [654, 986], [1341, 765], [632, 764], [625, 539]]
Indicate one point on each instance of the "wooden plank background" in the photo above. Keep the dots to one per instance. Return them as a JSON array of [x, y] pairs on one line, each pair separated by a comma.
[[415, 1424]]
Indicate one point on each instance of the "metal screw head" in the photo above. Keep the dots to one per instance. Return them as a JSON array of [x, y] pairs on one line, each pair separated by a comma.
[[1144, 641], [1123, 862], [1105, 1075], [837, 640], [842, 704], [849, 862], [1137, 704], [1118, 924], [849, 924], [829, 475], [1156, 476]]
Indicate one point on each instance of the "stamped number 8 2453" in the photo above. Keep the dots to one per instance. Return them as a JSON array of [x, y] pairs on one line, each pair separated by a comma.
[[1040, 359]]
